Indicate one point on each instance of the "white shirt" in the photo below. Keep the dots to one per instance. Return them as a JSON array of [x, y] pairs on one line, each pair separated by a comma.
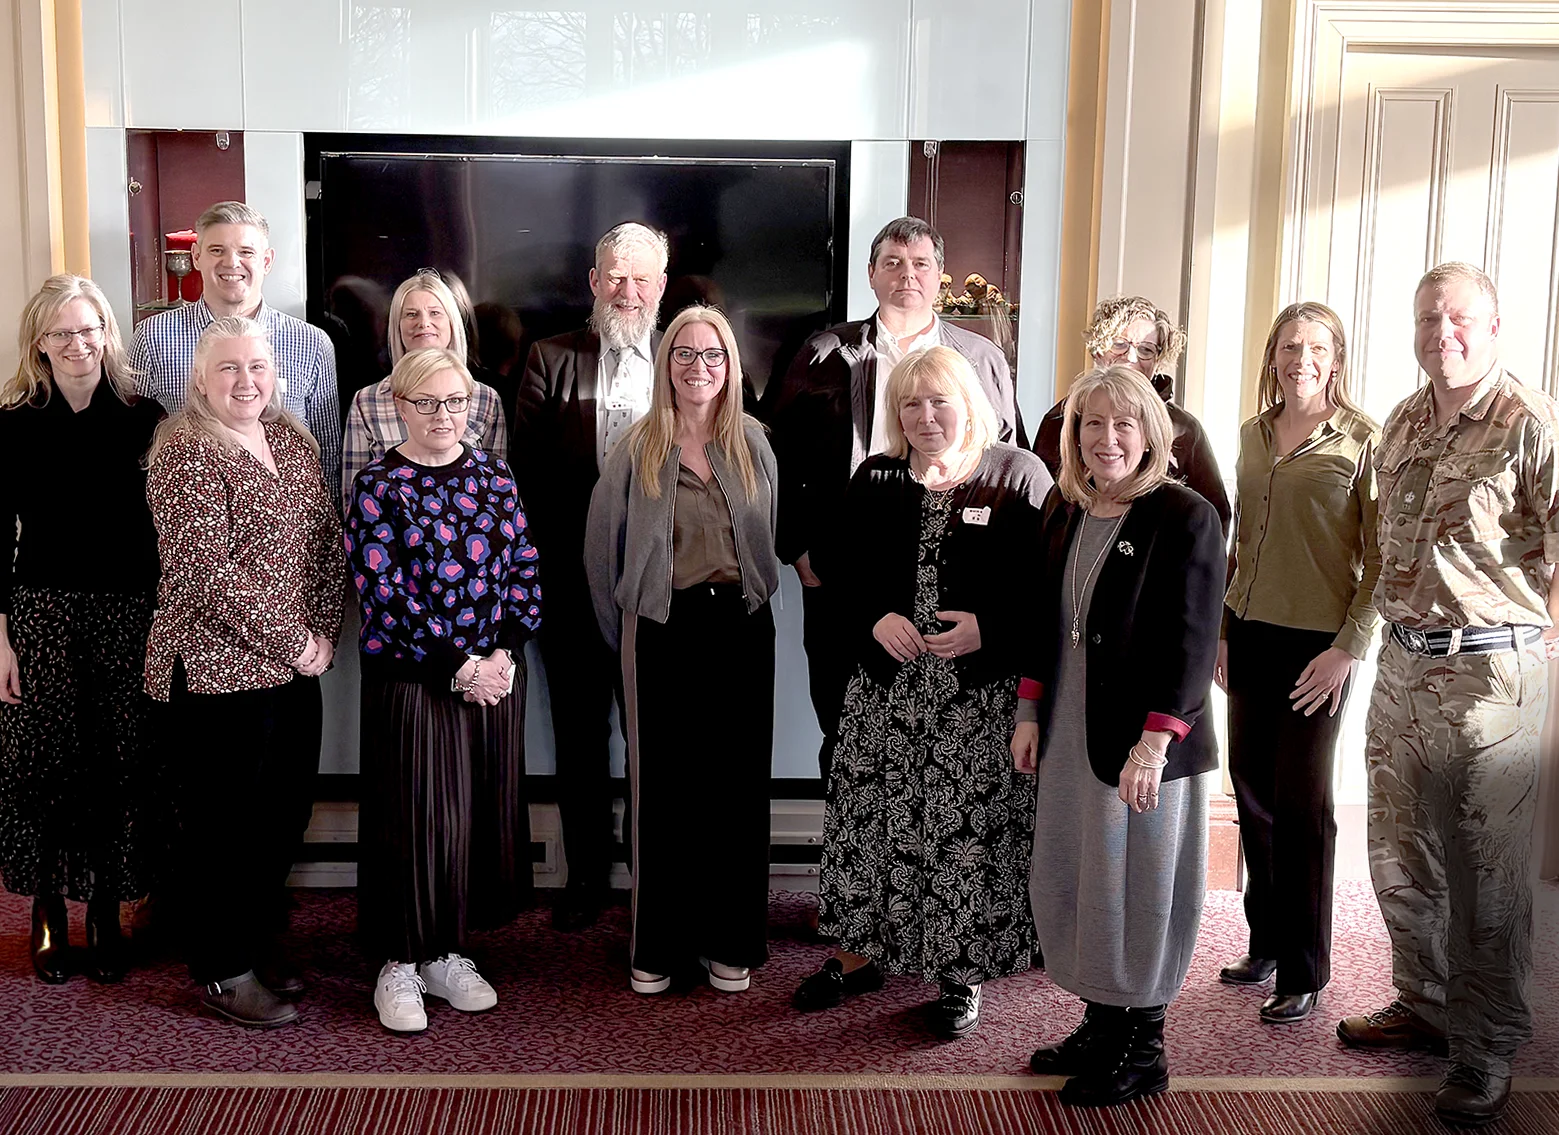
[[889, 356], [624, 395]]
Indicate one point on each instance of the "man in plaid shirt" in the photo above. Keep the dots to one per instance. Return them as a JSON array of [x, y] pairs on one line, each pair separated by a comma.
[[233, 255]]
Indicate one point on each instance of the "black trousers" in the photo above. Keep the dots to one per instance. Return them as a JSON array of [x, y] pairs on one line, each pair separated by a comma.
[[700, 749], [247, 764], [583, 676], [831, 663], [1281, 765]]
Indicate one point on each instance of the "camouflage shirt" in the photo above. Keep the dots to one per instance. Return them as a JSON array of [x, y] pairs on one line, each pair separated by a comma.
[[1469, 509]]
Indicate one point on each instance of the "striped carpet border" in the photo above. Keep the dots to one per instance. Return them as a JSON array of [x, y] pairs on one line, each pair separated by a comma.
[[419, 1111], [715, 1082]]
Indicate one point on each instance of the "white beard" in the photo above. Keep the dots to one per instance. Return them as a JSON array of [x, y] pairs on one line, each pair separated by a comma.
[[618, 329]]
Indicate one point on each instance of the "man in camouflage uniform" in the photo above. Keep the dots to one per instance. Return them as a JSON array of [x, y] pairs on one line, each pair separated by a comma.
[[1469, 535]]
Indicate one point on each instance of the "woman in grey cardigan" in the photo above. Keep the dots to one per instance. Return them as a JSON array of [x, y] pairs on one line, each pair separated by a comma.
[[679, 551]]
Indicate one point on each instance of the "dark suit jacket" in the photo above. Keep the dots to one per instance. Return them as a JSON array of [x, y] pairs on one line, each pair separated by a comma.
[[552, 451], [1151, 634], [985, 566], [821, 422], [1191, 452]]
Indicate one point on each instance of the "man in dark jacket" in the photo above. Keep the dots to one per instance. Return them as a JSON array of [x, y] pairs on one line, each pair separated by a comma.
[[581, 392], [828, 416], [1130, 330]]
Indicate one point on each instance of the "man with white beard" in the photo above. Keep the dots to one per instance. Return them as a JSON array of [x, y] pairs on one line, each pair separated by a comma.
[[580, 394]]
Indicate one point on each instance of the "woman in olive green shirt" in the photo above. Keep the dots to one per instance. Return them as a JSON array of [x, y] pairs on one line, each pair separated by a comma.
[[1298, 618]]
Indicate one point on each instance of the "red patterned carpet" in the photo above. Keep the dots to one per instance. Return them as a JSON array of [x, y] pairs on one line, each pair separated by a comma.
[[565, 1010]]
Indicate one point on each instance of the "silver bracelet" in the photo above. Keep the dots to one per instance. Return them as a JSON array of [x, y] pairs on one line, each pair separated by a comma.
[[1148, 761]]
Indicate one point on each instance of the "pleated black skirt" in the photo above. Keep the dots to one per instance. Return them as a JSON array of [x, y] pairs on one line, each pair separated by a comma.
[[700, 692], [444, 826]]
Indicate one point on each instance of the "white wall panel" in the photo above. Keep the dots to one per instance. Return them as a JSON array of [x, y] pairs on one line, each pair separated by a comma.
[[108, 219], [730, 69], [879, 191], [968, 78], [1044, 177], [273, 184], [101, 41], [184, 64], [1050, 38]]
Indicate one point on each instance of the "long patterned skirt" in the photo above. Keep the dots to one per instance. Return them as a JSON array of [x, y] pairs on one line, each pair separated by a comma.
[[83, 791]]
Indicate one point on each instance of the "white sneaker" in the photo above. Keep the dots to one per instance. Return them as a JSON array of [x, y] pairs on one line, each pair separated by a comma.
[[398, 997], [455, 979], [648, 982], [727, 979]]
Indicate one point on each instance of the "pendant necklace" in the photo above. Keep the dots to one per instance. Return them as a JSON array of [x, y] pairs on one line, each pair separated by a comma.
[[1077, 633]]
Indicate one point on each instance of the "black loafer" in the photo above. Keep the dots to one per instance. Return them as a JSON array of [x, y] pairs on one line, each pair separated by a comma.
[[830, 985], [106, 947], [1248, 971], [1286, 1008], [956, 1013], [1471, 1097], [244, 1000]]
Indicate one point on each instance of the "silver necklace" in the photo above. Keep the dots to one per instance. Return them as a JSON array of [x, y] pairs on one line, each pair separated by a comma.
[[1077, 633]]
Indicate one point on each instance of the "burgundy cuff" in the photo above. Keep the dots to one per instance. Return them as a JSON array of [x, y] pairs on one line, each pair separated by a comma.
[[1029, 690], [1162, 722]]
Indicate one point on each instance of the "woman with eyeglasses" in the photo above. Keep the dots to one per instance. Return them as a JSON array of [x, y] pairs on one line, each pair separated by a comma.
[[79, 787], [448, 580], [424, 314], [1131, 331], [679, 550]]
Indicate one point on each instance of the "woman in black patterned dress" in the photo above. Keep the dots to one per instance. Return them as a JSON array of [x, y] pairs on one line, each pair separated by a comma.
[[78, 790], [927, 835]]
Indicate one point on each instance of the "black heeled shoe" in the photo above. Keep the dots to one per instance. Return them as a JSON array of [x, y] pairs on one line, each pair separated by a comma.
[[50, 939], [106, 947]]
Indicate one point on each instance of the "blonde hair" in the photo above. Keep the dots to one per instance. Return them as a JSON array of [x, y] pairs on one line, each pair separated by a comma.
[[1269, 392], [196, 416], [33, 383], [415, 369], [944, 371], [434, 285], [1129, 393], [651, 438], [1112, 316], [1453, 270]]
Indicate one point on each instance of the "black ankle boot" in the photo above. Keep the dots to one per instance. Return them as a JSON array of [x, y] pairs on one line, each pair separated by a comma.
[[50, 939], [1070, 1057], [1132, 1065], [106, 961]]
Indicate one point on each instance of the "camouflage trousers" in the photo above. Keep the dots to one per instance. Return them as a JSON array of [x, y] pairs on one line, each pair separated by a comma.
[[1452, 752]]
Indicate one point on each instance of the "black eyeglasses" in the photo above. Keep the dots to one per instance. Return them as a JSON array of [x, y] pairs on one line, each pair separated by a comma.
[[88, 335], [455, 404], [712, 356]]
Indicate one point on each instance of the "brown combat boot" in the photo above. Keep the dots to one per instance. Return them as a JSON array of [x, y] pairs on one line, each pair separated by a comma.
[[1395, 1026]]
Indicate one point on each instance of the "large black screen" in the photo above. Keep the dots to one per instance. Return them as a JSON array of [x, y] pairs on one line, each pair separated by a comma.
[[757, 228]]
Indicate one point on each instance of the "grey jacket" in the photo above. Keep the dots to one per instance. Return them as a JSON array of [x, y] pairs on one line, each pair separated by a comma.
[[628, 535]]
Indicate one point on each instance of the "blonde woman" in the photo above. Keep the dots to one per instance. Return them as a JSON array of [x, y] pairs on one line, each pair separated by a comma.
[[248, 610], [1111, 712], [424, 315], [927, 833], [679, 550], [1298, 618], [79, 792]]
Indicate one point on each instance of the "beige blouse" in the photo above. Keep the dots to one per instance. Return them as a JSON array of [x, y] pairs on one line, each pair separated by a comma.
[[252, 562], [703, 546]]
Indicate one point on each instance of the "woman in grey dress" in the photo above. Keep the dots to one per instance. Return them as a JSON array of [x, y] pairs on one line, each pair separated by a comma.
[[1111, 711], [927, 836]]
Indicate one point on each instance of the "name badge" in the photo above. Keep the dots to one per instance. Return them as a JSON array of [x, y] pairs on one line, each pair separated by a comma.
[[977, 515]]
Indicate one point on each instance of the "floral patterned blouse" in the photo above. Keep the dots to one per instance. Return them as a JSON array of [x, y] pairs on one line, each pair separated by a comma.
[[251, 562], [443, 565]]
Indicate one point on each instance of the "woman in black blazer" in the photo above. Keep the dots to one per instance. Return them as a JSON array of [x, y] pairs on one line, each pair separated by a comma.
[[1111, 713]]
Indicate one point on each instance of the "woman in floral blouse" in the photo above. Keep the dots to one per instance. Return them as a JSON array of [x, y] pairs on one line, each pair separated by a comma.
[[449, 594], [248, 611]]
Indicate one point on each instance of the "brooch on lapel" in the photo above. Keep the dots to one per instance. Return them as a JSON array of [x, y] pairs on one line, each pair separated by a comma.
[[1125, 548]]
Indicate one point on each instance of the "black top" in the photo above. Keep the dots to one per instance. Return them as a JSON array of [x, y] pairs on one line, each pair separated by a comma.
[[75, 482], [986, 564], [1152, 631], [1193, 463]]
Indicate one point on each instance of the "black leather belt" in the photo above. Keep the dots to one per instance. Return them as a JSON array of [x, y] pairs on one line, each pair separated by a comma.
[[1463, 640]]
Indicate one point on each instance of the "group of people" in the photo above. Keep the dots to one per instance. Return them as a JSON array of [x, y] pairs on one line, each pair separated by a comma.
[[1009, 651]]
